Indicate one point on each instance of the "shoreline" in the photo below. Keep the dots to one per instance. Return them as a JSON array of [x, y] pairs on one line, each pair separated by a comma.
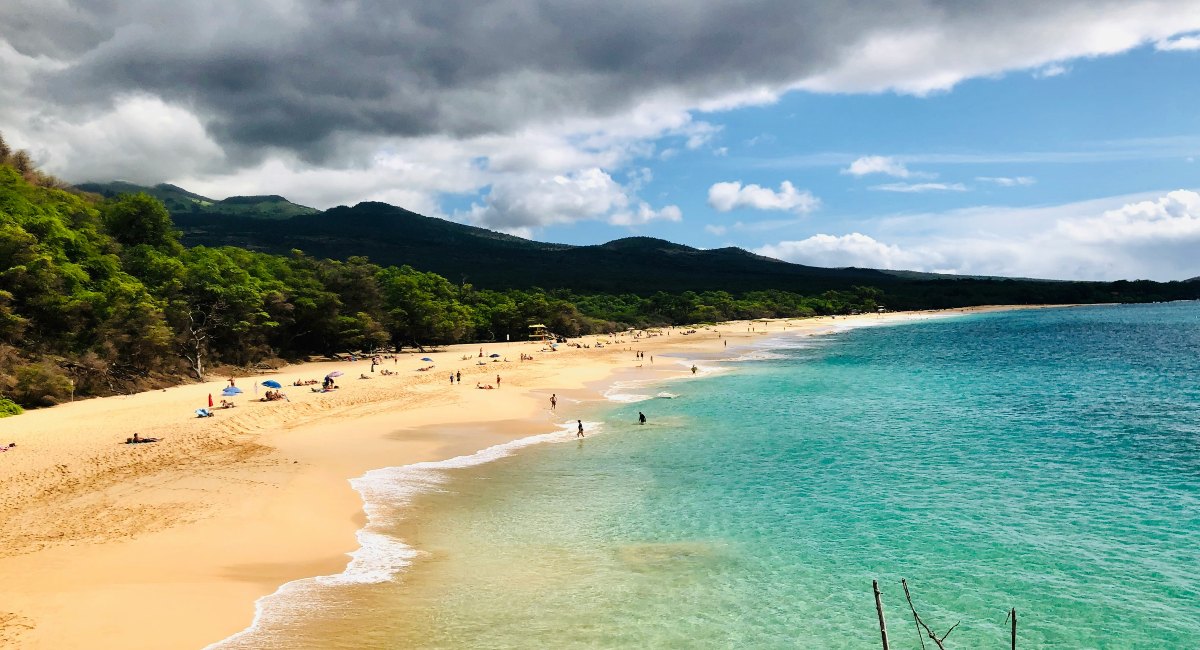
[[225, 510]]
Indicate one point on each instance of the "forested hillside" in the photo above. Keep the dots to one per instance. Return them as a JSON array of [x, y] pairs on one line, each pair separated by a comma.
[[99, 296]]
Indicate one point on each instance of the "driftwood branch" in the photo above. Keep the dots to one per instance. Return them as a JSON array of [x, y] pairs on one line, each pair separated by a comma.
[[879, 610], [921, 624]]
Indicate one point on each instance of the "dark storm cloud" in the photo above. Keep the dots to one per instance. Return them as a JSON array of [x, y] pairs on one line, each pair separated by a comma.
[[295, 74]]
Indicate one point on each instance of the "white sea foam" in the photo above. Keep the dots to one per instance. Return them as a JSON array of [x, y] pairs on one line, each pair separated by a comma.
[[666, 395], [380, 557], [703, 368], [630, 391]]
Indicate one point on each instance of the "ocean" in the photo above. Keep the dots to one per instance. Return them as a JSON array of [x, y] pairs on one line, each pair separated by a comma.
[[1043, 460]]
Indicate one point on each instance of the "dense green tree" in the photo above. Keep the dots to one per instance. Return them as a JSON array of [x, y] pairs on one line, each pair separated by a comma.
[[424, 307], [135, 219]]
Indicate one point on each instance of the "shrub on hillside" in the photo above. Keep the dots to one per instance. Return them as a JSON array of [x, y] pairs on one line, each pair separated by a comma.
[[9, 408], [41, 384]]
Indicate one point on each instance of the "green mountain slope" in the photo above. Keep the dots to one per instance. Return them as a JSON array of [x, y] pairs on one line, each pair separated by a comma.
[[181, 201], [394, 236]]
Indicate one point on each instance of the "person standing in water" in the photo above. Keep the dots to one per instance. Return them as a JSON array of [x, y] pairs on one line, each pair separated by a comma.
[[579, 434], [553, 401], [641, 418], [694, 368]]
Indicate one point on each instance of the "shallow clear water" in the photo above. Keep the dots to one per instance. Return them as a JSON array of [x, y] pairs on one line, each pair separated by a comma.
[[1044, 460]]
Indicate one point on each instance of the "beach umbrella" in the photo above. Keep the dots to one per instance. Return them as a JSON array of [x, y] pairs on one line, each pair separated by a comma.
[[210, 400], [494, 355], [271, 383], [426, 359], [231, 391], [335, 373]]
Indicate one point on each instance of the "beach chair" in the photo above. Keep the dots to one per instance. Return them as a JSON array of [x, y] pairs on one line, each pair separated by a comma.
[[204, 413]]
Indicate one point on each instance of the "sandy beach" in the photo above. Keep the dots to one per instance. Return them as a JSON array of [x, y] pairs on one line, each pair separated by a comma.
[[169, 544]]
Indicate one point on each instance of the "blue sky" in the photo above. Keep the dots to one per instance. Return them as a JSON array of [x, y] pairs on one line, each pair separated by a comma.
[[1108, 129], [1024, 138]]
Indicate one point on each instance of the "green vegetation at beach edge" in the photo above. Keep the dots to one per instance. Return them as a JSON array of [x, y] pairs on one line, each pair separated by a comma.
[[98, 296]]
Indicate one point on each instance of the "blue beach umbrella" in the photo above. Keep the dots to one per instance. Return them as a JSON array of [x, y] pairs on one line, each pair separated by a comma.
[[426, 359], [494, 355], [231, 391], [271, 383]]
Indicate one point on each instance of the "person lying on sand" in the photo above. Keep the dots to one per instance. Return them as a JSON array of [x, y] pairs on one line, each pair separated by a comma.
[[136, 439], [10, 446]]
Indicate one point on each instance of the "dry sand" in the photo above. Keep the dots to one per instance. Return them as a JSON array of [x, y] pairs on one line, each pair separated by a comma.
[[168, 545]]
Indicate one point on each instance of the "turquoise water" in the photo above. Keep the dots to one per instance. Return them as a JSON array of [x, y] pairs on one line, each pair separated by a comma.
[[1044, 460]]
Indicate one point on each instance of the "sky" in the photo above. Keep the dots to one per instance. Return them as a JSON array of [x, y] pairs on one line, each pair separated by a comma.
[[1023, 138]]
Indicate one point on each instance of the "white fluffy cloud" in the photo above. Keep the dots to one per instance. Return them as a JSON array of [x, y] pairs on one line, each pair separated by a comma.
[[1171, 219], [916, 188], [727, 196], [855, 249], [1187, 42], [521, 204], [879, 165], [645, 214], [1155, 238], [1007, 181], [939, 54], [1052, 70]]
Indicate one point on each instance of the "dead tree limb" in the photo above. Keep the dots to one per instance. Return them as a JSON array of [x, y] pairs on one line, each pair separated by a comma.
[[879, 609], [917, 617]]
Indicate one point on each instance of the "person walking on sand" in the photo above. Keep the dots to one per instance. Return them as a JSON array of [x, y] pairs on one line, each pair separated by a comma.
[[497, 381], [553, 401], [458, 376], [579, 433], [641, 418], [452, 379]]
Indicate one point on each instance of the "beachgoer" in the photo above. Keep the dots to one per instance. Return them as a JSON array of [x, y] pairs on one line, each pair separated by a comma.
[[641, 418], [458, 376], [694, 368], [497, 381], [579, 434], [451, 379], [553, 401], [231, 381]]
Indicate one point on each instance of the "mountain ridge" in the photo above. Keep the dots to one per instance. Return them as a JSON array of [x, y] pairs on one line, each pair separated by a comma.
[[179, 200]]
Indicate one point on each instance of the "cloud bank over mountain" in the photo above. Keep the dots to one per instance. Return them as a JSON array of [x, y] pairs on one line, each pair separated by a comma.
[[410, 102]]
